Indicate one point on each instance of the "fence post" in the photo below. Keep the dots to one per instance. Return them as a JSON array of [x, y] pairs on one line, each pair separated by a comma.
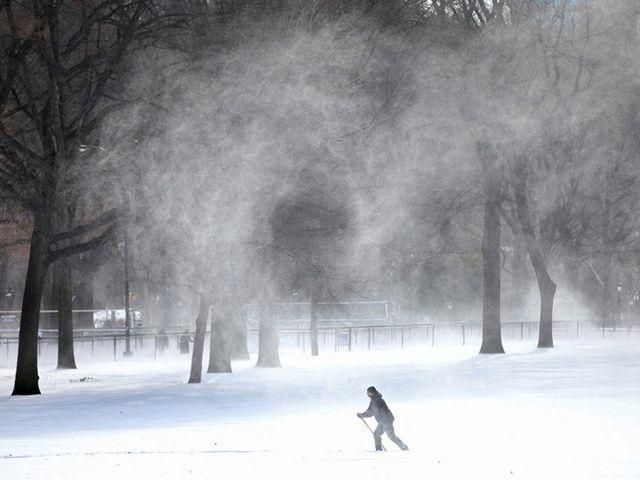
[[369, 339], [401, 337], [464, 336], [350, 333], [521, 330], [114, 347], [304, 346], [336, 339], [433, 335]]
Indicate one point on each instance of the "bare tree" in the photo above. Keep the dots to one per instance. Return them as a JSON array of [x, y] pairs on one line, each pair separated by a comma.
[[60, 96]]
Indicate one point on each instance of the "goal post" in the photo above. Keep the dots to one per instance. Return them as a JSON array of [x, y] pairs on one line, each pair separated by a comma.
[[330, 314]]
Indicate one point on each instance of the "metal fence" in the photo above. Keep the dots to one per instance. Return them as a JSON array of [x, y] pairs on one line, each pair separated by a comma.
[[109, 345]]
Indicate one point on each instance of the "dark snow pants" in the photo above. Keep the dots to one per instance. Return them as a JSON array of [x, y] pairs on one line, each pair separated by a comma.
[[388, 429]]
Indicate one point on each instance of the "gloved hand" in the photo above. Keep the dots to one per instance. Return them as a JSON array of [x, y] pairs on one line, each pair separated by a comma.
[[359, 415]]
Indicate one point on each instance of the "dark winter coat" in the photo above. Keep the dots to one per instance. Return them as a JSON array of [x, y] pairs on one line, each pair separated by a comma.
[[378, 409]]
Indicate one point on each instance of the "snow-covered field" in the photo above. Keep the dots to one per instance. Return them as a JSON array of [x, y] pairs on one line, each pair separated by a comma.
[[569, 413]]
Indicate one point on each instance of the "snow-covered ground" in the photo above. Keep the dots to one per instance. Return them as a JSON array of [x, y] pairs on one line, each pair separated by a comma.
[[569, 413]]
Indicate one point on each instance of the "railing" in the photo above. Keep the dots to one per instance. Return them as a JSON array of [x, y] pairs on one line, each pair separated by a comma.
[[105, 345]]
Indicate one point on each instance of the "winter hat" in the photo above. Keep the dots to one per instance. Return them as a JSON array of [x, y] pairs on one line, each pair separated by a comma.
[[372, 389]]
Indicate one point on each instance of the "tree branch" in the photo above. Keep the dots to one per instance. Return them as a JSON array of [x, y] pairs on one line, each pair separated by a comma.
[[82, 247], [108, 217]]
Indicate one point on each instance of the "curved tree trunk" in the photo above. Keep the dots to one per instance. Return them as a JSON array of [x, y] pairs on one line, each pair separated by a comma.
[[546, 286], [26, 381], [313, 334], [64, 296], [198, 342], [268, 342], [238, 334], [491, 326], [219, 351]]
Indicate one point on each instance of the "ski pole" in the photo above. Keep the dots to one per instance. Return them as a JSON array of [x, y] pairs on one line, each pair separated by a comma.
[[369, 428]]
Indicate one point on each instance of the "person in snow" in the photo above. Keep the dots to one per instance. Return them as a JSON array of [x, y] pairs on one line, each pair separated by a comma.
[[378, 409]]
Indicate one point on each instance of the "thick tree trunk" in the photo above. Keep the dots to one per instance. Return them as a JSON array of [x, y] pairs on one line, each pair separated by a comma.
[[313, 334], [547, 296], [547, 289], [198, 342], [64, 297], [219, 351], [26, 381], [491, 326], [546, 286], [268, 341]]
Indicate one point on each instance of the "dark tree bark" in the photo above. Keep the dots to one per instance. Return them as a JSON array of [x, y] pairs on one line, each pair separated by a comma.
[[198, 341], [313, 334], [220, 348], [26, 381], [64, 296], [546, 285], [268, 342], [491, 326]]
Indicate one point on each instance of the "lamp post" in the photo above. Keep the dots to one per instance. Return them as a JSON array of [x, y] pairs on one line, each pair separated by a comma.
[[127, 313], [619, 317], [83, 148]]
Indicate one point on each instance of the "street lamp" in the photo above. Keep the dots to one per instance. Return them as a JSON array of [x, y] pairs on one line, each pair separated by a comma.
[[127, 313], [619, 289]]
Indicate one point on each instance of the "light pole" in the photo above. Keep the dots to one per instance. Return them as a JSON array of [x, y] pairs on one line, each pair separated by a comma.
[[125, 253], [127, 313], [619, 318]]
